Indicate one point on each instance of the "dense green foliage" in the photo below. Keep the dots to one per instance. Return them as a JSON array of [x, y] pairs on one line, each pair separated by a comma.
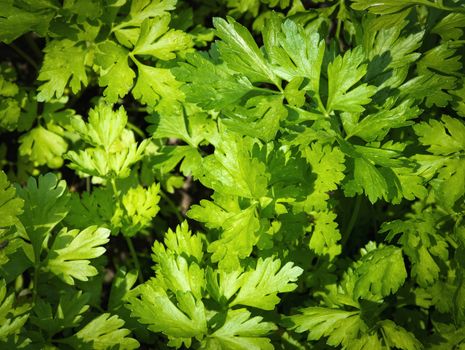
[[232, 174]]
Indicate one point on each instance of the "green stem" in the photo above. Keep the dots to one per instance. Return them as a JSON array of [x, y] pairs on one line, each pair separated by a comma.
[[321, 107], [256, 88], [135, 259], [36, 281], [34, 47], [171, 205], [137, 130], [128, 240], [24, 55], [115, 190], [353, 219], [338, 33]]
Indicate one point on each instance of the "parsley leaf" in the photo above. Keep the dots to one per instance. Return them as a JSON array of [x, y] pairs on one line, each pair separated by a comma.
[[115, 74], [64, 64], [241, 53], [12, 318], [260, 286], [46, 205], [343, 73], [241, 332], [103, 332], [70, 252], [10, 205]]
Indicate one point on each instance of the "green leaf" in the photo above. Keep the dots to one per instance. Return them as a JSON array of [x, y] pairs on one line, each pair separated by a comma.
[[424, 247], [367, 178], [12, 319], [43, 146], [232, 170], [64, 63], [84, 8], [157, 40], [442, 58], [442, 137], [10, 113], [294, 53], [260, 286], [328, 164], [91, 208], [138, 208], [374, 171], [171, 303], [115, 74], [68, 314], [122, 284], [343, 73], [180, 321], [240, 7], [380, 273], [209, 84], [215, 214], [155, 84], [177, 273], [451, 26], [103, 332], [431, 88], [183, 243], [374, 127], [45, 205], [384, 7], [241, 332], [97, 162], [325, 234], [10, 205], [11, 96], [17, 19], [240, 52], [69, 255], [115, 147], [446, 140], [142, 9], [397, 336], [239, 236], [450, 185], [387, 47], [260, 117], [340, 326], [104, 126], [174, 122]]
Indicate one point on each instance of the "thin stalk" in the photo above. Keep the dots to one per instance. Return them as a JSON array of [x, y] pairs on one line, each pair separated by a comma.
[[134, 256], [135, 259], [137, 130], [34, 47], [256, 88], [338, 34], [171, 205], [321, 107], [113, 186], [353, 219], [24, 55], [36, 279]]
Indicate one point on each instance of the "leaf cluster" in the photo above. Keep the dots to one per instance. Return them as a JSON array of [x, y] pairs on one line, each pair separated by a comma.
[[231, 174]]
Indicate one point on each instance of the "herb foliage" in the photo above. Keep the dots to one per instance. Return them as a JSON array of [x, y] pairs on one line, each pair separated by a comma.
[[232, 174]]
